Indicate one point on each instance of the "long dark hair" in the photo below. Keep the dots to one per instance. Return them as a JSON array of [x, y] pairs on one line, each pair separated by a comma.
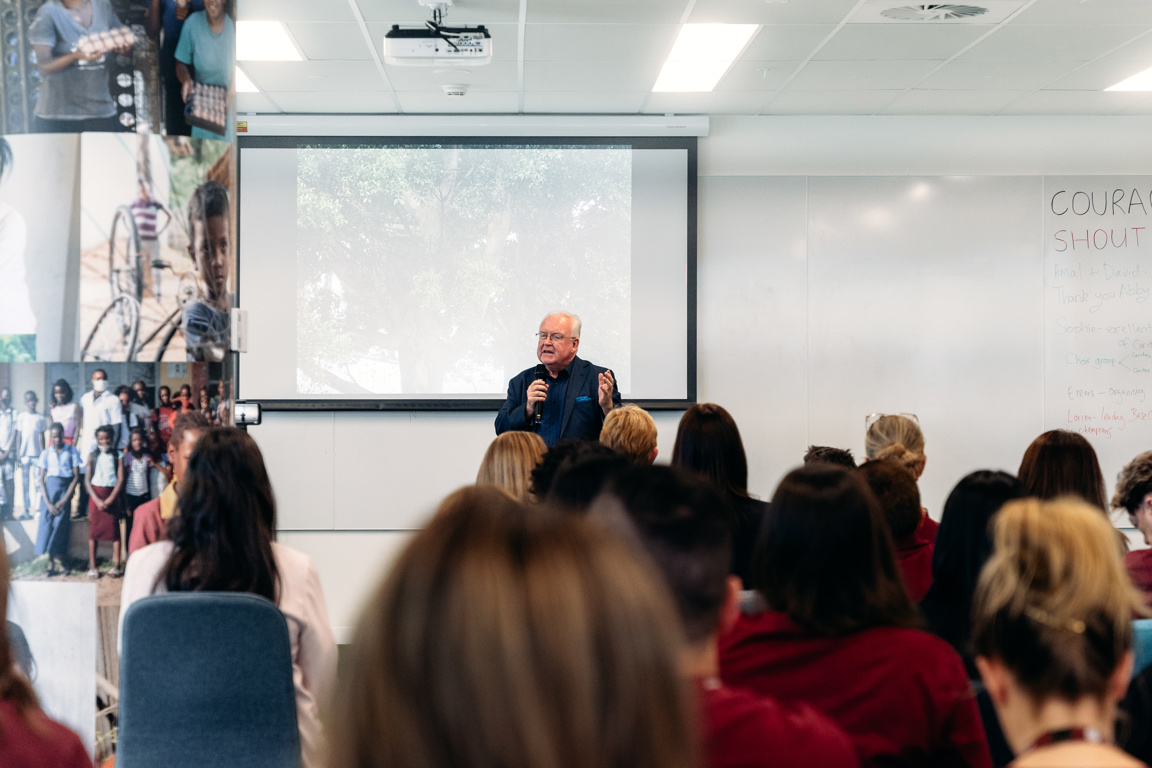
[[65, 388], [708, 443], [963, 545], [825, 556], [223, 533], [1061, 463]]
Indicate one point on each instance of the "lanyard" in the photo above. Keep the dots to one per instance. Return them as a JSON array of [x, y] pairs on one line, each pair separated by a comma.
[[1090, 735]]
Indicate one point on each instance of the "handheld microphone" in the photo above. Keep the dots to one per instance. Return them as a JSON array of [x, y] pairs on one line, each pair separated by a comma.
[[541, 373]]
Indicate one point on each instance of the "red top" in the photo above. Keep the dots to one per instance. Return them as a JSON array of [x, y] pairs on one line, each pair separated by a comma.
[[928, 528], [742, 730], [1139, 565], [147, 526], [902, 695], [36, 741], [914, 556]]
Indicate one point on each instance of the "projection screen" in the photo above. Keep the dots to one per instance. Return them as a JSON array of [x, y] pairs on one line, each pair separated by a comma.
[[414, 272]]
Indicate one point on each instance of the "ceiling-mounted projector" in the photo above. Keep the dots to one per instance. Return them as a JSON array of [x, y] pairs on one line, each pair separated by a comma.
[[435, 44]]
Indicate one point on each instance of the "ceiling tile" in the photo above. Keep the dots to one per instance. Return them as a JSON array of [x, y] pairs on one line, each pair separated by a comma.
[[330, 40], [786, 43], [598, 42], [503, 39], [1140, 48], [598, 102], [410, 12], [757, 75], [713, 103], [996, 75], [299, 76], [994, 12], [830, 102], [607, 76], [253, 102], [335, 102], [861, 75], [1139, 108], [497, 76], [1017, 42], [1098, 75], [922, 102], [294, 10], [600, 11], [438, 103], [1073, 103], [1086, 12], [770, 11], [879, 41]]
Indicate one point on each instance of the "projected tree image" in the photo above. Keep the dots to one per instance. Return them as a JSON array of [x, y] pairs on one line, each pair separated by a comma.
[[415, 264]]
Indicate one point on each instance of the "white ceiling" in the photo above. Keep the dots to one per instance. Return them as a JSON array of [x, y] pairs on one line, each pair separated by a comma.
[[812, 57]]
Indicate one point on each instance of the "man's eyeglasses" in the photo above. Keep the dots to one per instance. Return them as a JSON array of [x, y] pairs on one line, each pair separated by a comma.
[[556, 337]]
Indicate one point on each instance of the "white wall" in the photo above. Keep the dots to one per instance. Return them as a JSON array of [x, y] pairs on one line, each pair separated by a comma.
[[346, 482]]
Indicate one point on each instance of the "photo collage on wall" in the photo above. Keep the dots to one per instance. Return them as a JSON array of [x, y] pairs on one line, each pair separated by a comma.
[[117, 281]]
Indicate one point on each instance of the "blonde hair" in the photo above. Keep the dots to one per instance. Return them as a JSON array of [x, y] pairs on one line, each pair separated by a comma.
[[894, 430], [1054, 602], [630, 430], [509, 461], [505, 636]]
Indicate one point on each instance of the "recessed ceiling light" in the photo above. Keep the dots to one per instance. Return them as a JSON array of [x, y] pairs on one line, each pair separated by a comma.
[[701, 56], [265, 41], [1138, 82], [244, 83]]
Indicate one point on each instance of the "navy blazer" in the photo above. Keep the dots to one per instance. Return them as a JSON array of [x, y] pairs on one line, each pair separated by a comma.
[[582, 419]]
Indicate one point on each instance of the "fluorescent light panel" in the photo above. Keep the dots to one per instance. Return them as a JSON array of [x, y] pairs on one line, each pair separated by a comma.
[[244, 83], [264, 41], [1138, 82], [701, 56]]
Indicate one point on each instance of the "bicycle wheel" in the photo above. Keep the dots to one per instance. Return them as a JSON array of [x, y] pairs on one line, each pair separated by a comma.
[[125, 262], [175, 330], [113, 338]]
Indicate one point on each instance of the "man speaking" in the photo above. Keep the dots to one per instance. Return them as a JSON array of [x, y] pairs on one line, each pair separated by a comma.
[[564, 398]]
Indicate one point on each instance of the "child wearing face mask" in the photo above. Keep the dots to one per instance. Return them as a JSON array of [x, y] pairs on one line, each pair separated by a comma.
[[206, 320], [104, 480]]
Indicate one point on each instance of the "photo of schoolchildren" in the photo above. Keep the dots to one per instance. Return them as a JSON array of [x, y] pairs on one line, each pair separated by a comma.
[[105, 481], [31, 426], [8, 446], [59, 476], [140, 303], [65, 411], [161, 473], [206, 320], [138, 473]]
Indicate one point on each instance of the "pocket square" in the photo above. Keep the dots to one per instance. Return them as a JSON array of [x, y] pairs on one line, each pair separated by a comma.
[[583, 399]]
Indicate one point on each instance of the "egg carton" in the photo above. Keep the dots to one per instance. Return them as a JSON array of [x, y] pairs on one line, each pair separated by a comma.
[[108, 40], [208, 108]]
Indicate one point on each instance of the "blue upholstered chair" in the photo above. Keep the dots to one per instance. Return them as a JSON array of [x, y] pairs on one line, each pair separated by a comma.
[[206, 680], [1141, 644]]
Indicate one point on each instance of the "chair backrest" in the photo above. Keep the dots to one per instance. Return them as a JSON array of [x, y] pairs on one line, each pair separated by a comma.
[[206, 679], [1141, 644]]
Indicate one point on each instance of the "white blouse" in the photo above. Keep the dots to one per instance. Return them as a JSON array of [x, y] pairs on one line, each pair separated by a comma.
[[302, 602]]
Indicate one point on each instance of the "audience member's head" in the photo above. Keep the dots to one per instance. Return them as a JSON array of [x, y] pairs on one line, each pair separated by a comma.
[[825, 557], [1052, 620], [14, 687], [894, 486], [222, 536], [509, 461], [1134, 493], [562, 455], [829, 455], [186, 430], [504, 636], [896, 436], [708, 443], [582, 476], [630, 430], [964, 540], [673, 514], [1062, 463]]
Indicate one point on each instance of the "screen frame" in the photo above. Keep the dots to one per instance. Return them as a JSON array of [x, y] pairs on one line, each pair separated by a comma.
[[688, 143]]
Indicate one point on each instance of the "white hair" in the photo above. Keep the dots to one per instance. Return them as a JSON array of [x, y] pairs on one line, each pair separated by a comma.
[[575, 319]]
